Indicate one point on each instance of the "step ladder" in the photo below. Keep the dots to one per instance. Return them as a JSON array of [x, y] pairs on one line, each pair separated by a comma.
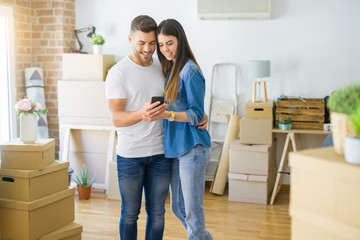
[[223, 102]]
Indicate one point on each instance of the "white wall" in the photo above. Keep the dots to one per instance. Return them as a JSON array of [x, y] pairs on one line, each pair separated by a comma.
[[313, 45]]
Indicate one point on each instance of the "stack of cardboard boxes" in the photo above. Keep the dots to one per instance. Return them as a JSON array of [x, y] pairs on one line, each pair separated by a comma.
[[35, 199], [252, 163], [324, 196], [83, 107]]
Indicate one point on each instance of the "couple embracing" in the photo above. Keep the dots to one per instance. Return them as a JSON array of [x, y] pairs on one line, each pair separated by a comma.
[[159, 143]]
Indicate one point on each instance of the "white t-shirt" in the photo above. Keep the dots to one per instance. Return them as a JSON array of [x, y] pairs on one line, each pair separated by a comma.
[[137, 84]]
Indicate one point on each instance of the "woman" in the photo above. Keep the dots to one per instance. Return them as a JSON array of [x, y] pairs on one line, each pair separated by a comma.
[[183, 141]]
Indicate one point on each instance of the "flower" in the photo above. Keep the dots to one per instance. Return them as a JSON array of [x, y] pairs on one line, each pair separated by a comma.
[[25, 106], [37, 107]]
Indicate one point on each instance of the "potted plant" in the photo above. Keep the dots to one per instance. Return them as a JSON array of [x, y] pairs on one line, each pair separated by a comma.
[[285, 124], [110, 66], [352, 144], [97, 41], [83, 186], [342, 103], [29, 111]]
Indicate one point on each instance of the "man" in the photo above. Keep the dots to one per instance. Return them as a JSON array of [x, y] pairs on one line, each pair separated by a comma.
[[140, 150], [140, 162]]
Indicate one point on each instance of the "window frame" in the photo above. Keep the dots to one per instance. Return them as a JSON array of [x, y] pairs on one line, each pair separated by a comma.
[[8, 13]]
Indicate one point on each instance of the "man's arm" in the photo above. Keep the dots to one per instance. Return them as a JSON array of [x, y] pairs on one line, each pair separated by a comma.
[[203, 124], [120, 117]]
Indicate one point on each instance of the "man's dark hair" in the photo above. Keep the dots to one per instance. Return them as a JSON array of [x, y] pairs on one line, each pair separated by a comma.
[[143, 23]]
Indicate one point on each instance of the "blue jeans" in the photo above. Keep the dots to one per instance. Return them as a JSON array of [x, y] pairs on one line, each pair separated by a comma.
[[153, 174], [187, 191]]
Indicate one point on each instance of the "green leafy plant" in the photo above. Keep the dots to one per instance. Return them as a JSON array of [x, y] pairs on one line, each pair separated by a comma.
[[345, 100], [82, 181], [286, 121], [111, 65], [355, 120], [97, 39]]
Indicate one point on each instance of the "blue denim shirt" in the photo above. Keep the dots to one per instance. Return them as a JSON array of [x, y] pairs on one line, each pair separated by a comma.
[[181, 137]]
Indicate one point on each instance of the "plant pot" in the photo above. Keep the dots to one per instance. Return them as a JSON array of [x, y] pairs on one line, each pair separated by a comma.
[[283, 126], [84, 192], [28, 127], [352, 150], [340, 129], [97, 49]]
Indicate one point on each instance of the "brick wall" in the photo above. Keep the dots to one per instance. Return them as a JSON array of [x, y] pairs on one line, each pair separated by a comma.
[[44, 29], [22, 38], [53, 25]]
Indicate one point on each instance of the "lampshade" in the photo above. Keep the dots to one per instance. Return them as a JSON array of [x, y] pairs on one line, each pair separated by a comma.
[[259, 68]]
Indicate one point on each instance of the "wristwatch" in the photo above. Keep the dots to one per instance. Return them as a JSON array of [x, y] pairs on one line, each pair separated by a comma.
[[172, 116]]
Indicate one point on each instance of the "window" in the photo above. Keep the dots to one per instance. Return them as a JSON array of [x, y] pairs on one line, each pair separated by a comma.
[[6, 84]]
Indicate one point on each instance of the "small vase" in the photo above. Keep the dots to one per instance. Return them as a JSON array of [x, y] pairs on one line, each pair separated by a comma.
[[97, 49], [340, 129], [352, 150], [28, 127]]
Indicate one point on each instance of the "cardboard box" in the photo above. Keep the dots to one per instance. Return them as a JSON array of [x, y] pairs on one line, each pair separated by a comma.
[[259, 110], [86, 67], [256, 131], [301, 230], [18, 155], [324, 183], [307, 225], [71, 231], [252, 159], [29, 185], [32, 220], [251, 188], [83, 99]]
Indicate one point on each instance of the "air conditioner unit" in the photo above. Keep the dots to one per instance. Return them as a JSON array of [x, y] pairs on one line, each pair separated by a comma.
[[234, 9]]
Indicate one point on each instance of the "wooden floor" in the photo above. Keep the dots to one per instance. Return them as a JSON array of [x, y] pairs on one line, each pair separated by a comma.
[[225, 220]]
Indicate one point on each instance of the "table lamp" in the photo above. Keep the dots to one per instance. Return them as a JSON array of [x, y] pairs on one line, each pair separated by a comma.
[[90, 29], [259, 69]]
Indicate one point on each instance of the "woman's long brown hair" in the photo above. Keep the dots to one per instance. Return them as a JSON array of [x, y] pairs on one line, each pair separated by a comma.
[[171, 27]]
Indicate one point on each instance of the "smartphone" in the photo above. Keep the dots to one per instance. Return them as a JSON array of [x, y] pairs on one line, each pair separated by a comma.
[[158, 98]]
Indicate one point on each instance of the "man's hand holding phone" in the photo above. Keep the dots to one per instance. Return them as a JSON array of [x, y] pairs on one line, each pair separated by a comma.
[[157, 99], [155, 109]]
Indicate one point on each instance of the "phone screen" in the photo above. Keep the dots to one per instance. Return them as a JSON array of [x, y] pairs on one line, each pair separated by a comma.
[[157, 98]]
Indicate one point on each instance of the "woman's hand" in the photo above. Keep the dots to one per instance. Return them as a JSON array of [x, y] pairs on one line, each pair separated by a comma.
[[153, 112]]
